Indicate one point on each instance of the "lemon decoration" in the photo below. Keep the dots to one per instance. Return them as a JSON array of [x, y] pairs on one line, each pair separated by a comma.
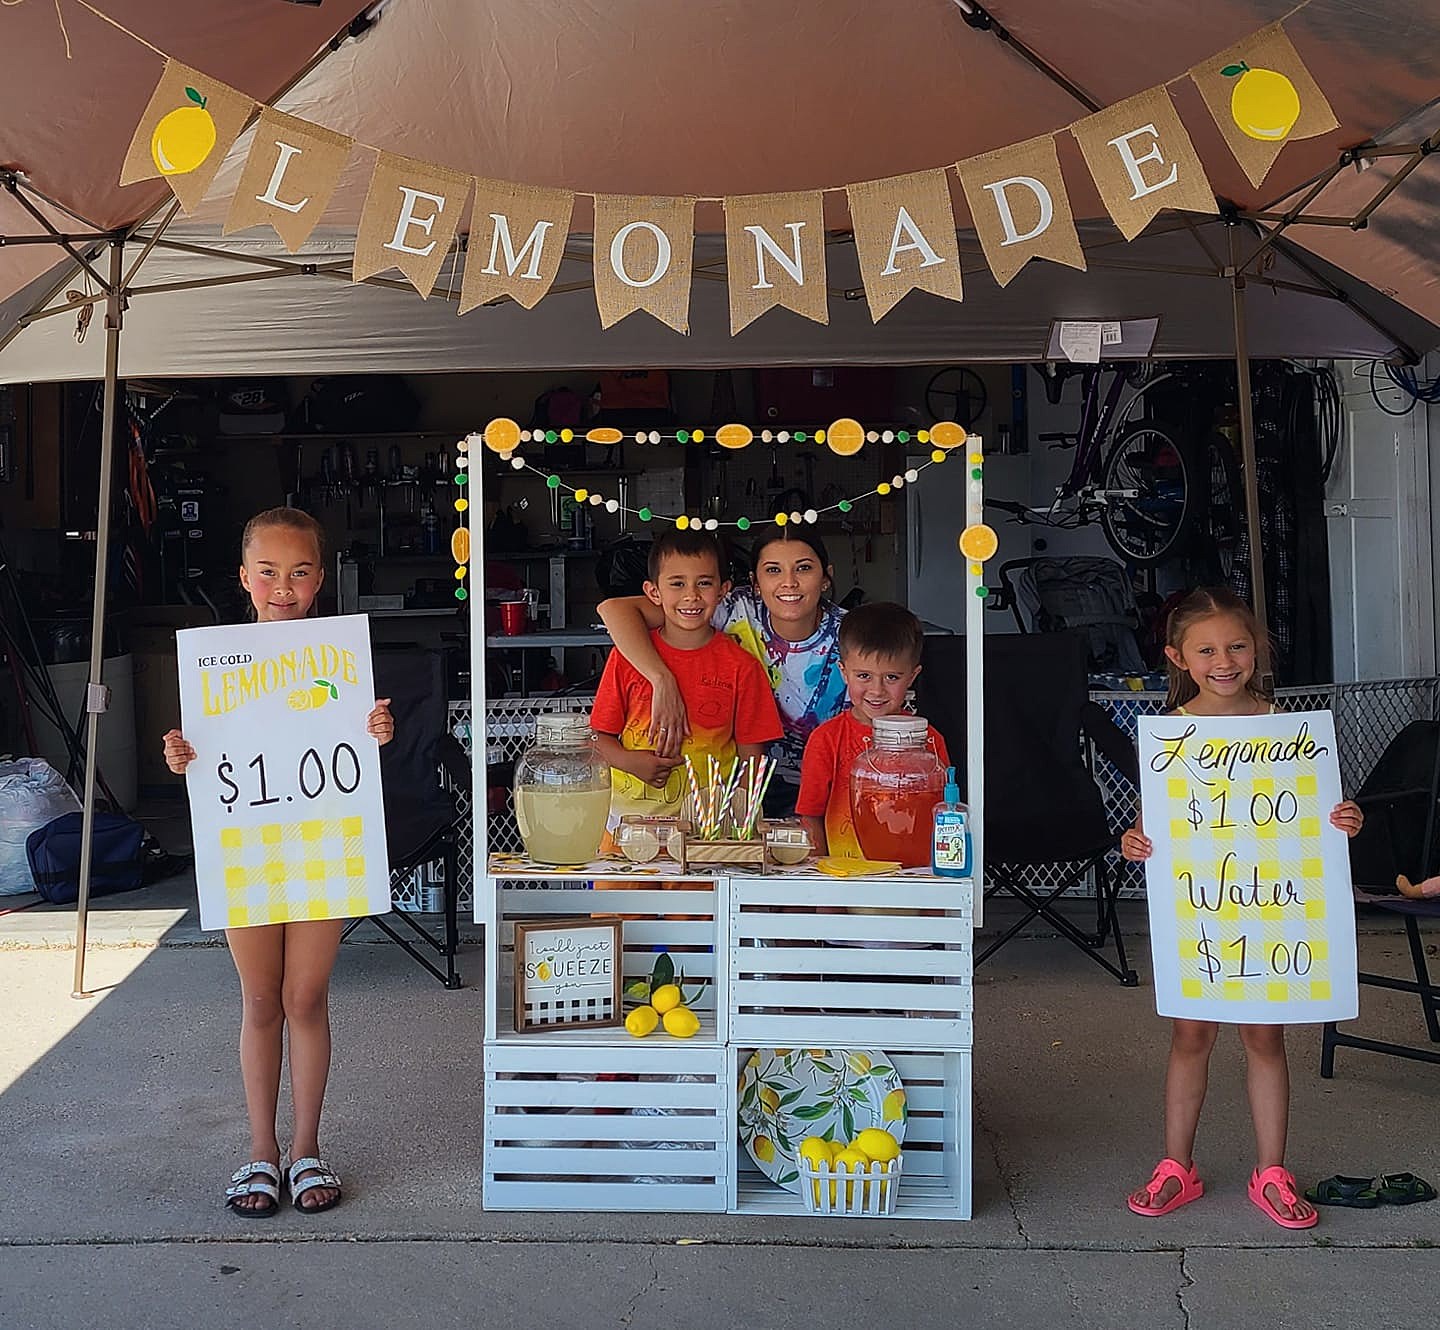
[[764, 1148], [947, 434], [771, 1102], [734, 436], [543, 970], [858, 1063], [460, 544], [313, 698], [893, 1109], [665, 998], [502, 435], [845, 437], [642, 1021], [850, 1160], [878, 1144], [604, 435], [681, 1022], [184, 137], [979, 542], [1263, 103], [815, 1150]]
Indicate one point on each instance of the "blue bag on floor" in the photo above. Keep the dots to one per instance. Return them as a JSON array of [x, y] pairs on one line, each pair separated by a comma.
[[116, 865]]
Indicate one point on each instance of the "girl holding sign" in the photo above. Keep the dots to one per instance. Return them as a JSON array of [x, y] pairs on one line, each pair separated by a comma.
[[284, 968], [1213, 646]]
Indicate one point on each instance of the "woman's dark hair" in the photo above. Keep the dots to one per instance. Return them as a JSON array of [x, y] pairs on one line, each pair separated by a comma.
[[810, 538]]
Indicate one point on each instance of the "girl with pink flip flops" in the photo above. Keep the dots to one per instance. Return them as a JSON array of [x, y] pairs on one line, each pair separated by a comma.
[[1213, 646]]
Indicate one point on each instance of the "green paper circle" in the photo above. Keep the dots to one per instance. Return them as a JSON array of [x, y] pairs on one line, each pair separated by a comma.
[[462, 477], [461, 593], [844, 505], [982, 591], [800, 436], [645, 514], [903, 436], [743, 524], [553, 482], [682, 436], [551, 436], [976, 474]]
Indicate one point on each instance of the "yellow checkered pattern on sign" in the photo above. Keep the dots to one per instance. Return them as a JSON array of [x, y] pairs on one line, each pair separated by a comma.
[[281, 872], [1233, 874]]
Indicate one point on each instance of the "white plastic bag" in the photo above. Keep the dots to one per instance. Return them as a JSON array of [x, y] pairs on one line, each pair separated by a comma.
[[32, 793]]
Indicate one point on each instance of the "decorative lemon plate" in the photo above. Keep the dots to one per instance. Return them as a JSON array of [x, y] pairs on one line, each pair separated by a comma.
[[787, 1094]]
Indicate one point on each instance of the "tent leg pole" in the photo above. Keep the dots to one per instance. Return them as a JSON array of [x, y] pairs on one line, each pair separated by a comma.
[[95, 701], [1248, 468]]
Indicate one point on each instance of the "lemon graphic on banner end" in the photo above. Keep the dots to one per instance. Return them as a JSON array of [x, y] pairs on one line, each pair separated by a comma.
[[1263, 103], [184, 137]]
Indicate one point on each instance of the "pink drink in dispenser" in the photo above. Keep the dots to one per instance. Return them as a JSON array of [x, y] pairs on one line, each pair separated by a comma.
[[894, 787]]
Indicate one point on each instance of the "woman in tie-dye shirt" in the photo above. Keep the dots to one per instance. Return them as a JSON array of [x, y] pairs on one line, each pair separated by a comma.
[[786, 620]]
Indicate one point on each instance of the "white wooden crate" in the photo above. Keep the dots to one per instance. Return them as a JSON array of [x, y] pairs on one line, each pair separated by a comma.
[[793, 982], [574, 1128], [937, 1149], [651, 926]]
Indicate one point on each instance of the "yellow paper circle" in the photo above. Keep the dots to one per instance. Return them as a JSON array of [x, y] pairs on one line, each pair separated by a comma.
[[461, 505], [939, 455], [845, 437], [502, 435], [947, 434], [581, 495], [681, 522], [604, 436], [979, 542], [697, 436], [460, 574], [923, 436], [781, 518], [733, 436], [977, 569], [883, 487]]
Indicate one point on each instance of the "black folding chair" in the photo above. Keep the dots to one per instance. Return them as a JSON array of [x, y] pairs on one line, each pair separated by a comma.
[[420, 816], [1400, 798], [1043, 809]]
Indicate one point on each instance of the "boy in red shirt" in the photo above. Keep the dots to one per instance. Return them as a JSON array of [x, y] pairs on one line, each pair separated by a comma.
[[726, 692], [880, 647]]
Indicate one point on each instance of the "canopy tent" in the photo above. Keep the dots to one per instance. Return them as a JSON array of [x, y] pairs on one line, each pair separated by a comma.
[[729, 98]]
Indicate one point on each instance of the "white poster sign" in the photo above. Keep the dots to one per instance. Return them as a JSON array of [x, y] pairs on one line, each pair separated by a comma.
[[1252, 920], [285, 799]]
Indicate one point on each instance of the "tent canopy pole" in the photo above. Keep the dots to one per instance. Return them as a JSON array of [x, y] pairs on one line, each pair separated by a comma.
[[96, 694], [1247, 443]]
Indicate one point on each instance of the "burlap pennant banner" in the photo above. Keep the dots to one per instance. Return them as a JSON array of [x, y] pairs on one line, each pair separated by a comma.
[[289, 176], [517, 239], [775, 255], [905, 238], [1142, 160], [644, 254], [1262, 96], [410, 217], [1020, 208], [189, 125]]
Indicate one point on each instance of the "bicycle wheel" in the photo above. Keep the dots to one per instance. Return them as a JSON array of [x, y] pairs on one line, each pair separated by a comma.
[[1148, 528], [1219, 518]]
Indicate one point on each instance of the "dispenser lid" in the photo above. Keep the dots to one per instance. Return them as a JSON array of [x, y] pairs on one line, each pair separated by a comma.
[[563, 729], [900, 729]]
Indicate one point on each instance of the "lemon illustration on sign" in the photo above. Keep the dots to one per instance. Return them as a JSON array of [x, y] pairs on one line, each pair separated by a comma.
[[543, 971], [313, 698], [771, 1100], [183, 138], [1263, 103], [681, 1022], [765, 1149], [893, 1107], [665, 998], [642, 1021], [878, 1144]]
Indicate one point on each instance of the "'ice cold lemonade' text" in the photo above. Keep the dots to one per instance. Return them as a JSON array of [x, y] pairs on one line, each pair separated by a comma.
[[227, 690]]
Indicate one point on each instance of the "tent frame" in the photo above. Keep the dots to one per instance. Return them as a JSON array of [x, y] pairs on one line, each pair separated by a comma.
[[1270, 224]]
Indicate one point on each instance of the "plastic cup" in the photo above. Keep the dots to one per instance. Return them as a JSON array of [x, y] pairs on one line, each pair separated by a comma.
[[514, 617]]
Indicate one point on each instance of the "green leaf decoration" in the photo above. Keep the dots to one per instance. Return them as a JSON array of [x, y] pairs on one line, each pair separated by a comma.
[[847, 1120], [334, 693], [790, 1098], [195, 97], [324, 683], [882, 1071], [1232, 71], [786, 1178], [811, 1112], [663, 973], [823, 1066]]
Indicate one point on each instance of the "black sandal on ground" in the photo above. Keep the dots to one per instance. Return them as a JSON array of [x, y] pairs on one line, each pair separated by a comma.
[[1355, 1193], [320, 1176], [1402, 1189], [257, 1178]]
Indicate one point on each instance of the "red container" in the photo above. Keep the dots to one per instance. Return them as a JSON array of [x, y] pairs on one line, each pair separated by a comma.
[[514, 617]]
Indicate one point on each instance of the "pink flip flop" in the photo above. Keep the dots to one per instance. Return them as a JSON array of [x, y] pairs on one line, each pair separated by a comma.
[[1284, 1182], [1191, 1189]]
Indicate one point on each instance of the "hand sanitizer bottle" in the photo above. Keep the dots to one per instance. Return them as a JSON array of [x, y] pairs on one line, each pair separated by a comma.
[[950, 846]]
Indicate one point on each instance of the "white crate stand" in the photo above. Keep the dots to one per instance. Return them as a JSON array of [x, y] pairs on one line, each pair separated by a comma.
[[593, 1119]]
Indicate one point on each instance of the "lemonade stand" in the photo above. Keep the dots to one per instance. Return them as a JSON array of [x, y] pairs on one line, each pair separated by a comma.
[[809, 1024]]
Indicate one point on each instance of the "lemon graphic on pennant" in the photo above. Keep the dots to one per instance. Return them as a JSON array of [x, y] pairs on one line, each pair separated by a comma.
[[1263, 103], [184, 137]]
